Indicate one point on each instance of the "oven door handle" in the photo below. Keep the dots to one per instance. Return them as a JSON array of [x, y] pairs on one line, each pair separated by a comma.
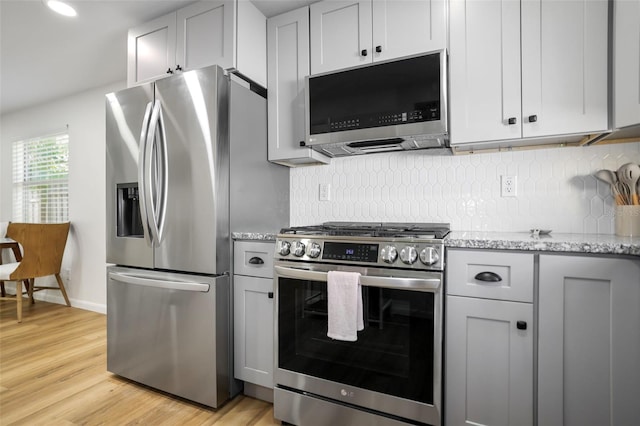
[[415, 284]]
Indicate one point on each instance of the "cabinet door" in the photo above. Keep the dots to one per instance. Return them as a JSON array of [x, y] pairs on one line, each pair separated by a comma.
[[489, 362], [484, 63], [626, 65], [151, 50], [340, 34], [408, 27], [589, 341], [288, 65], [564, 67], [253, 329], [205, 35]]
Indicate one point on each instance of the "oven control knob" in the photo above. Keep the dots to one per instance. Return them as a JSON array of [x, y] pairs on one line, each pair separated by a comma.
[[314, 250], [429, 256], [408, 255], [389, 254], [298, 248], [285, 248]]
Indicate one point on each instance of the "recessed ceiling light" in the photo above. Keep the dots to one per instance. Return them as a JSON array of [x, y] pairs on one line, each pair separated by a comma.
[[61, 8]]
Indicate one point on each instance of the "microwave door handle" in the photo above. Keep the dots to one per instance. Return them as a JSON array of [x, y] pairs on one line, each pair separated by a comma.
[[142, 185], [416, 284]]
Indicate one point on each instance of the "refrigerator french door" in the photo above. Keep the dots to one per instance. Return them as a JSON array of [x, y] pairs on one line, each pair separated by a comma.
[[168, 174]]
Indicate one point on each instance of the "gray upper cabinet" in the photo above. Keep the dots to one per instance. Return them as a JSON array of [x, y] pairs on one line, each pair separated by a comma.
[[151, 50], [228, 33], [626, 65], [352, 32], [589, 341], [514, 80], [288, 65]]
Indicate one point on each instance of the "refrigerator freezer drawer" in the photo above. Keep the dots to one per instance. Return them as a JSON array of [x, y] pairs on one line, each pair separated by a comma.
[[170, 331]]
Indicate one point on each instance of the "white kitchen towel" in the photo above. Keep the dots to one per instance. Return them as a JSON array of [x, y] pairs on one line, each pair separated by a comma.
[[344, 305]]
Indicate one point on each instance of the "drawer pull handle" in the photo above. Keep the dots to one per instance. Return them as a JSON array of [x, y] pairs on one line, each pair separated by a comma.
[[256, 261], [488, 276], [270, 295], [521, 325]]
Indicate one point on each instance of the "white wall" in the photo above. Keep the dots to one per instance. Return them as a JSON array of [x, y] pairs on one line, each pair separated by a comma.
[[556, 189], [84, 113]]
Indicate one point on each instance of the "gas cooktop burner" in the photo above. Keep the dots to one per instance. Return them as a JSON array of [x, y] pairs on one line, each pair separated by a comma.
[[373, 229]]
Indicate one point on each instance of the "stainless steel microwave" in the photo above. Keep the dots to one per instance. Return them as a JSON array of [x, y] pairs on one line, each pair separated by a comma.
[[394, 105]]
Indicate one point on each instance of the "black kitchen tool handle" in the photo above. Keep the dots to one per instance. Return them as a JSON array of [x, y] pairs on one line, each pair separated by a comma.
[[256, 261], [521, 325], [488, 276]]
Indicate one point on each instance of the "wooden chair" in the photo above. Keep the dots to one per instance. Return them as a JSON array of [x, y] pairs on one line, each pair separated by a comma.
[[3, 233], [43, 247]]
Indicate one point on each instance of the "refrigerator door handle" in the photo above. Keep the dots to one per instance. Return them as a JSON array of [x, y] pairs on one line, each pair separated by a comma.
[[152, 282], [150, 171], [142, 185], [163, 177]]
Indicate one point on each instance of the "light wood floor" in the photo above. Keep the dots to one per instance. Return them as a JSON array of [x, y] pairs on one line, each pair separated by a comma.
[[53, 371]]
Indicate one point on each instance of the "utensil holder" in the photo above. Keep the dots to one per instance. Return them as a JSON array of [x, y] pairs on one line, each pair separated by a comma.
[[628, 221]]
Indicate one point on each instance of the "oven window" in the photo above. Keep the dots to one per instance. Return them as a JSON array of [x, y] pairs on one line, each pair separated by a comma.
[[393, 354]]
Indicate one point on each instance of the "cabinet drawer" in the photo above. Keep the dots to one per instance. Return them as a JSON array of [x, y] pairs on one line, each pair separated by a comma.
[[490, 275], [253, 258]]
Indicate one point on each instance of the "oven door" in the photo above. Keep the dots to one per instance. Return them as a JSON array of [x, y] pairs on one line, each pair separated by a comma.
[[394, 367]]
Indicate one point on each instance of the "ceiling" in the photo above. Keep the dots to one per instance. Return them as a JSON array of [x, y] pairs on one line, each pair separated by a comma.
[[45, 56]]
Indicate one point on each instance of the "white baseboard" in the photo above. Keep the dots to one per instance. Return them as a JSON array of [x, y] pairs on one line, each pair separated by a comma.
[[55, 296]]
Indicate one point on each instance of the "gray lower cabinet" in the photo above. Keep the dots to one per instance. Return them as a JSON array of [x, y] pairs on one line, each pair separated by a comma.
[[589, 341], [253, 312], [489, 349]]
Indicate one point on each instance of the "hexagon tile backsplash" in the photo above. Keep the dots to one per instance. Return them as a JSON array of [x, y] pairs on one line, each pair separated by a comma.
[[556, 189]]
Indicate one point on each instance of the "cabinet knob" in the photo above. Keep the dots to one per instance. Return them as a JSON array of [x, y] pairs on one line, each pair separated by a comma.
[[303, 143], [512, 120], [533, 118], [488, 276], [521, 325], [378, 49], [363, 52], [270, 295], [169, 71], [256, 261], [178, 67]]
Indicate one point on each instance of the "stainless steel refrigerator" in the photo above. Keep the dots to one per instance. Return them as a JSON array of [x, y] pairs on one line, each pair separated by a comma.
[[186, 166]]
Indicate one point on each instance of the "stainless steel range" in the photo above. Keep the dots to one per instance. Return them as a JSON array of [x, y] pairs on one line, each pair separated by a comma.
[[392, 373]]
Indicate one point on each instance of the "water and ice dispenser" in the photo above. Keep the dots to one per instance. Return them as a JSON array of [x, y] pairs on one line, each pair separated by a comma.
[[129, 221]]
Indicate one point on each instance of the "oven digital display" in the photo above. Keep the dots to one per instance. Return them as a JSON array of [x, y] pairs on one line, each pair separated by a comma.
[[350, 251]]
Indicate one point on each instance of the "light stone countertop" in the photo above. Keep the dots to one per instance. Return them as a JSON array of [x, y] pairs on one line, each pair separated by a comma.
[[254, 236], [569, 243]]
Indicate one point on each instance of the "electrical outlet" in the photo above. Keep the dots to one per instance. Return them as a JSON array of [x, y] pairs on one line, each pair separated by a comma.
[[324, 194], [509, 186]]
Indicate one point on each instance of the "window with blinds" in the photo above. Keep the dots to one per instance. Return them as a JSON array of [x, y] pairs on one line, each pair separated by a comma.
[[41, 179]]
